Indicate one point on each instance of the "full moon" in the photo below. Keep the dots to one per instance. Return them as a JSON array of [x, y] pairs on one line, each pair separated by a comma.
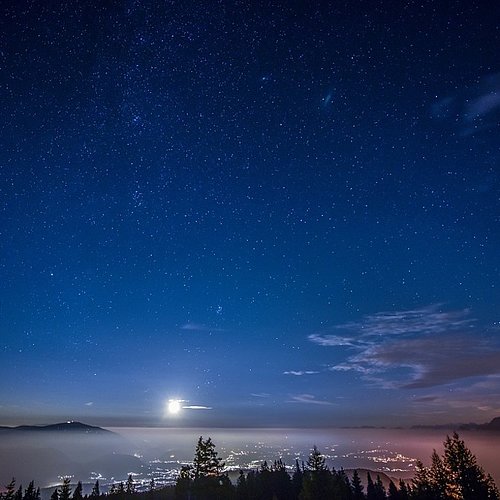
[[174, 406]]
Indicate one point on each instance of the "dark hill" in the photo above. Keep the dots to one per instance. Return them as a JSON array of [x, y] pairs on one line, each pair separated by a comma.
[[45, 453], [59, 427], [492, 426]]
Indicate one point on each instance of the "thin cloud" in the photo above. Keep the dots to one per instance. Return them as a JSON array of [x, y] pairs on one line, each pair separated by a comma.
[[433, 360], [198, 327], [309, 399], [486, 99], [354, 366], [483, 105], [476, 108], [333, 340], [299, 373], [426, 399], [260, 395], [428, 319], [197, 407], [416, 349], [482, 396]]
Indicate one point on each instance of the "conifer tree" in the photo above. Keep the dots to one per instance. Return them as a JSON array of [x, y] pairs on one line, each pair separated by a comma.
[[438, 476], [404, 493], [241, 487], [183, 483], [65, 491], [130, 488], [264, 481], [380, 493], [30, 492], [78, 493], [206, 461], [357, 486], [467, 478], [96, 492], [205, 478], [252, 481], [316, 460], [55, 494], [281, 484], [10, 490], [297, 478], [455, 475], [370, 487], [317, 480], [392, 492], [422, 487], [341, 485]]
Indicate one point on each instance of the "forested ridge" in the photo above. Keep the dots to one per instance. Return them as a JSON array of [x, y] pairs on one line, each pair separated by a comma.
[[455, 475]]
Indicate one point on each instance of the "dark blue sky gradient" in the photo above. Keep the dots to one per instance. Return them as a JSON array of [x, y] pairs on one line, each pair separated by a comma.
[[284, 213]]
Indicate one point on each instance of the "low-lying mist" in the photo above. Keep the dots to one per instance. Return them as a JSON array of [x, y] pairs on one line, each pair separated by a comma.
[[47, 457]]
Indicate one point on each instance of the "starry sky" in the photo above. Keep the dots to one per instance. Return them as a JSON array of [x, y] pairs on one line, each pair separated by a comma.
[[277, 213]]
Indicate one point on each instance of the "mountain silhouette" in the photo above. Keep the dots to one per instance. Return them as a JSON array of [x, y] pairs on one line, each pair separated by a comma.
[[493, 425], [59, 427]]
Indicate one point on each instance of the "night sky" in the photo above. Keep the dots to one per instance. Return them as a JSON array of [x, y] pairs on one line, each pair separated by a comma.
[[277, 213]]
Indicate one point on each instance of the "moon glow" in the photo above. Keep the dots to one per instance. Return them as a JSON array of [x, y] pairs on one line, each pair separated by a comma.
[[174, 406]]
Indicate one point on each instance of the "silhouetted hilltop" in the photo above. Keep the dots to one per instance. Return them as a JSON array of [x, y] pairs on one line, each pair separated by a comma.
[[59, 427], [493, 425], [45, 453]]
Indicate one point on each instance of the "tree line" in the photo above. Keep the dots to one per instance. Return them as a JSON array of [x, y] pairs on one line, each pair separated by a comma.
[[455, 475]]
